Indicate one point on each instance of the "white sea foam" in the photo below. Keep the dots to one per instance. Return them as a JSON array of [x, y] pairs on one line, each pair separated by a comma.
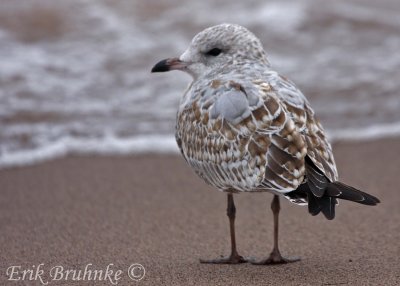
[[157, 144], [109, 145], [378, 131]]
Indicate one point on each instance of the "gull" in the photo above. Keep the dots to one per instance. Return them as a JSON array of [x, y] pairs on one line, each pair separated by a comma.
[[243, 127]]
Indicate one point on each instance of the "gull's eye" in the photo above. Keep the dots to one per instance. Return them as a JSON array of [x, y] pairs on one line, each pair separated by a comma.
[[214, 52]]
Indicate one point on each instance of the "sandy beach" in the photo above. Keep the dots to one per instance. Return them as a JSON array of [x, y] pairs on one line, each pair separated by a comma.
[[152, 210]]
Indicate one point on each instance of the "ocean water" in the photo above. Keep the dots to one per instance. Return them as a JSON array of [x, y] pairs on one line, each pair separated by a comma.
[[75, 75]]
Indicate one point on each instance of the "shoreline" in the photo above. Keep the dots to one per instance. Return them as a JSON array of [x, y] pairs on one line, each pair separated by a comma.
[[156, 144], [153, 210]]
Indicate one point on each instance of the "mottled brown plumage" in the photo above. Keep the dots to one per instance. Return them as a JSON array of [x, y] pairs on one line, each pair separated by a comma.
[[263, 151]]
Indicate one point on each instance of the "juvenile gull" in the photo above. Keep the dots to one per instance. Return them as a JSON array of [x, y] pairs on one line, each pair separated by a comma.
[[243, 127]]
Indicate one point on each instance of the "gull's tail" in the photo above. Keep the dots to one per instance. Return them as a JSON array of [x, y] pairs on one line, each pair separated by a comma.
[[322, 195]]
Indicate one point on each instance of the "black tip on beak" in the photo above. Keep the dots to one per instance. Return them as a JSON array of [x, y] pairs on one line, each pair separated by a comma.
[[169, 65], [161, 66]]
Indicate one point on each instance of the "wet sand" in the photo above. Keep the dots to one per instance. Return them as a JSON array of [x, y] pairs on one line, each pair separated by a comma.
[[153, 210]]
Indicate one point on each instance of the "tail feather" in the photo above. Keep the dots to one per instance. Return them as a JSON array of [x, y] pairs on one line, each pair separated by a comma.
[[314, 207], [322, 195], [328, 207]]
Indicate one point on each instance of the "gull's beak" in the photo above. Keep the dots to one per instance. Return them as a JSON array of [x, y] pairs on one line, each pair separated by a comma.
[[168, 65]]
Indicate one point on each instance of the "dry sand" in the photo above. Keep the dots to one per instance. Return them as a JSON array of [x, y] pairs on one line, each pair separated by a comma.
[[153, 210]]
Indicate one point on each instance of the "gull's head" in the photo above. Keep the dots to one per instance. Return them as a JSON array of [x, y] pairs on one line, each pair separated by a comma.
[[215, 48]]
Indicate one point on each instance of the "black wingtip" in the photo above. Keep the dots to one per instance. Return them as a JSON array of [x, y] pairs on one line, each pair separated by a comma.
[[345, 192]]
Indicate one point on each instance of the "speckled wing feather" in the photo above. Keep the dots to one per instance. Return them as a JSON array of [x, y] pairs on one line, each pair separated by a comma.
[[319, 149], [248, 136]]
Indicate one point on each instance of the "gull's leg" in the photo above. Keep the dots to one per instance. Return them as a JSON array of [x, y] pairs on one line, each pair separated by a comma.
[[234, 258], [275, 257]]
